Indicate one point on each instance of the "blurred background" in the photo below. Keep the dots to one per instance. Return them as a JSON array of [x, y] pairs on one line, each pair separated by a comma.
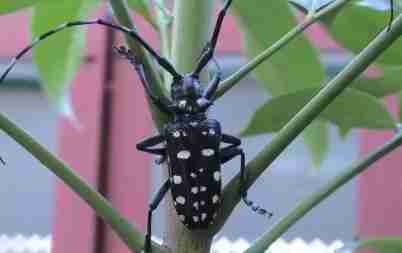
[[28, 191]]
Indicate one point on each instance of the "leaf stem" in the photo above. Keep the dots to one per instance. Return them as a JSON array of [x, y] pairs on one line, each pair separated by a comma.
[[306, 115], [262, 244], [126, 232], [122, 15], [310, 19]]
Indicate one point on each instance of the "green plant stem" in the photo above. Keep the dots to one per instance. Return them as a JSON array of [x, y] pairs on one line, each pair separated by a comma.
[[262, 244], [312, 18], [190, 33], [122, 15], [130, 235], [305, 116]]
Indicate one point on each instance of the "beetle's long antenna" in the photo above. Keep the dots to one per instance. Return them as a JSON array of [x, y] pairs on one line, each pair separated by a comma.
[[161, 61], [213, 84], [392, 13], [209, 49]]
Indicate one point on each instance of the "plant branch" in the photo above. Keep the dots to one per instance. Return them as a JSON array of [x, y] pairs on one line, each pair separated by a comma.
[[310, 19], [122, 15], [262, 244], [189, 36], [306, 115], [127, 232]]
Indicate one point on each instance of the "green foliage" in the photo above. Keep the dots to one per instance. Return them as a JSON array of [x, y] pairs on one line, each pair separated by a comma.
[[381, 245], [59, 57], [352, 109], [367, 23], [141, 7], [262, 24], [388, 83], [316, 137], [7, 6]]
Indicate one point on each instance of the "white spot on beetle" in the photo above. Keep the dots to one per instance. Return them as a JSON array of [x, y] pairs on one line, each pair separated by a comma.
[[176, 134], [203, 216], [181, 200], [203, 188], [201, 170], [202, 202], [182, 217], [194, 190], [217, 175], [196, 205], [183, 104], [184, 154], [211, 132], [194, 123], [214, 215], [195, 218], [193, 175], [208, 152], [204, 133], [215, 199], [177, 179]]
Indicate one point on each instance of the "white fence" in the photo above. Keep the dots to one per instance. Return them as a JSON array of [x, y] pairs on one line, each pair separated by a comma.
[[37, 244]]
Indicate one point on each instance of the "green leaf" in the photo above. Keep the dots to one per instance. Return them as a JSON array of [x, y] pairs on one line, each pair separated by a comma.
[[315, 137], [389, 83], [297, 66], [59, 56], [352, 109], [7, 6], [381, 245], [141, 7], [357, 25]]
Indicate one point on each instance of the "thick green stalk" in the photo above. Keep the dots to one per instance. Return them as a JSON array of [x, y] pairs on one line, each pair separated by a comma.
[[190, 33], [312, 18], [122, 15], [262, 244], [126, 232], [305, 116]]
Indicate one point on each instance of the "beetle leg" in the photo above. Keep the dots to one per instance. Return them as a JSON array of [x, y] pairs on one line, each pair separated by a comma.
[[213, 84], [161, 102], [232, 140], [152, 206], [208, 51], [228, 154], [146, 145]]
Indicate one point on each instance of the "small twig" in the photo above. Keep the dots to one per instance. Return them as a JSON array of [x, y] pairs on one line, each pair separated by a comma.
[[262, 244], [120, 11], [310, 19]]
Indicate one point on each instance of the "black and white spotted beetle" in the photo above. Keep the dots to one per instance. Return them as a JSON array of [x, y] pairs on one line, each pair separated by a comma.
[[191, 142]]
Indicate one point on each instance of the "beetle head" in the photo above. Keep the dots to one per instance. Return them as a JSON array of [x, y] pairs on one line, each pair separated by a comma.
[[187, 95]]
